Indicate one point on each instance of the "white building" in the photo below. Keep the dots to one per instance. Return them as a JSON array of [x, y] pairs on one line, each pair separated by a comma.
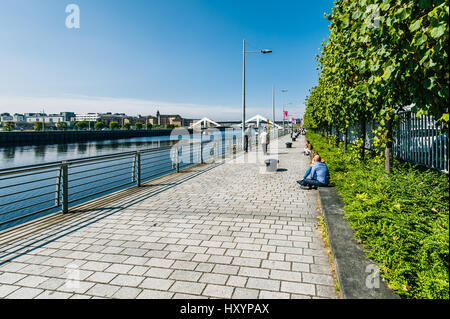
[[6, 117], [18, 117], [89, 117], [42, 117]]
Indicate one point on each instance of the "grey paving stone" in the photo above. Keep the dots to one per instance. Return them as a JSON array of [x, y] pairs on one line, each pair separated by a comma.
[[185, 275], [31, 281], [266, 284], [24, 293], [243, 293], [101, 277], [298, 288], [218, 291], [264, 294], [187, 287], [127, 293], [10, 278], [102, 290], [214, 279], [154, 294], [7, 289], [156, 284], [48, 294]]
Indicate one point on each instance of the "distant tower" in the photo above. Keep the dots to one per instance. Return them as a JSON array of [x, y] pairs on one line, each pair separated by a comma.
[[158, 116]]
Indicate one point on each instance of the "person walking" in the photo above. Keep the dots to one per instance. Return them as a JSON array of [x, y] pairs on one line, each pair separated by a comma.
[[247, 138], [263, 140]]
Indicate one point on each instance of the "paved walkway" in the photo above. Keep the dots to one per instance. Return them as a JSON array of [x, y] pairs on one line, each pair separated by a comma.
[[223, 230]]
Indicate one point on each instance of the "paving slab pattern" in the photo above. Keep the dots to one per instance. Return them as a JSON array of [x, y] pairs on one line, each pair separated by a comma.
[[223, 230]]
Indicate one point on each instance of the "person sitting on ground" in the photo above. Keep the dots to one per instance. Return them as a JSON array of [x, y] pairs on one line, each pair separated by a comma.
[[307, 149], [316, 176]]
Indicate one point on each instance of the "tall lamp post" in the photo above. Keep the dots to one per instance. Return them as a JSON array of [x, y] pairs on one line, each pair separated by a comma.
[[283, 91], [273, 108], [243, 86]]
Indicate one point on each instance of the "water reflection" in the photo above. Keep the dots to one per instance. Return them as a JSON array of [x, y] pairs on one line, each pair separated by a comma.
[[62, 148], [9, 152], [82, 148], [114, 145], [39, 150], [99, 146]]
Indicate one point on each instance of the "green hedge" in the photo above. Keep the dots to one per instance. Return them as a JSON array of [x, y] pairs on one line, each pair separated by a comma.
[[401, 218]]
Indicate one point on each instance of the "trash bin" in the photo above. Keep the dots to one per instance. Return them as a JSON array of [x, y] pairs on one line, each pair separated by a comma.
[[294, 139], [271, 165], [288, 144]]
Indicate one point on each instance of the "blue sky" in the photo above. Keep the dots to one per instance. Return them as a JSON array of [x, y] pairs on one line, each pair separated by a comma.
[[176, 56]]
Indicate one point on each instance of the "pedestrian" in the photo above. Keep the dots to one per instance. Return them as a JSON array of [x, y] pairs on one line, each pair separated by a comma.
[[247, 138], [264, 140]]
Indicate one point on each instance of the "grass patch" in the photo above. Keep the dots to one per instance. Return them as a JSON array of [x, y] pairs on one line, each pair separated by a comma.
[[323, 230], [402, 218]]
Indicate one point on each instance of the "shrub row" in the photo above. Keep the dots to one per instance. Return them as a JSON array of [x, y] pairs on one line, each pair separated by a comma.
[[402, 218]]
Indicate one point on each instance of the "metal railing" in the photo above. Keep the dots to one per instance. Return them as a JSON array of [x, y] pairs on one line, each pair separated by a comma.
[[32, 191], [419, 140]]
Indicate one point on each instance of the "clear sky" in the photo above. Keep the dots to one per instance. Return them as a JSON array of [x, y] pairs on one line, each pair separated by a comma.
[[176, 56]]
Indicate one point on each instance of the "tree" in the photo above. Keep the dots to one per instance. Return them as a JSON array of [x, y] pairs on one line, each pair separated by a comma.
[[9, 125], [138, 126], [62, 126], [82, 125], [148, 126], [99, 126], [113, 125], [38, 126], [126, 126], [381, 57]]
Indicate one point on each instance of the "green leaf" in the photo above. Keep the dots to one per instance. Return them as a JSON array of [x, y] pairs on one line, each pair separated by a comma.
[[415, 25], [420, 39], [387, 72], [444, 117], [438, 31], [429, 84]]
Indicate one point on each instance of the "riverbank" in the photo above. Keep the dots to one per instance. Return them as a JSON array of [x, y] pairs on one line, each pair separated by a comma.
[[62, 137]]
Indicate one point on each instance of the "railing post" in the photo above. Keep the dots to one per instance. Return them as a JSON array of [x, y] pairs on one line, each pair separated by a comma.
[[178, 159], [58, 188], [201, 152], [65, 187], [138, 168]]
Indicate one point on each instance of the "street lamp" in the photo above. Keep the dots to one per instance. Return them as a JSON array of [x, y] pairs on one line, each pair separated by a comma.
[[243, 86], [283, 91]]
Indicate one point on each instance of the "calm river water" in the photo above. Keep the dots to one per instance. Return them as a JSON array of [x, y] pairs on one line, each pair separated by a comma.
[[24, 194]]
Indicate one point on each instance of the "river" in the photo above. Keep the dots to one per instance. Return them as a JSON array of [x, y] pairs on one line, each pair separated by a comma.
[[24, 194]]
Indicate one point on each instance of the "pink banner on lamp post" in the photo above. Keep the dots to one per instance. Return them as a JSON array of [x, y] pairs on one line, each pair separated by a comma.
[[286, 116]]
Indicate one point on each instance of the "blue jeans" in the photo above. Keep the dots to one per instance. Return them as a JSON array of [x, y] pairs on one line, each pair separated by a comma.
[[312, 182], [307, 172], [309, 181]]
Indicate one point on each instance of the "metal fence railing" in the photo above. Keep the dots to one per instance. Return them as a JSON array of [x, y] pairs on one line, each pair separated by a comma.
[[32, 191], [420, 140]]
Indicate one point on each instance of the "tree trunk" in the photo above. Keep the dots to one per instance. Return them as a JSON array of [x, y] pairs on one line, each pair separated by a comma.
[[362, 150], [388, 155], [345, 140]]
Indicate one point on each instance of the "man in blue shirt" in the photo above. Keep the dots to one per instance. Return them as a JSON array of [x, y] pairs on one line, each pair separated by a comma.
[[315, 176]]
